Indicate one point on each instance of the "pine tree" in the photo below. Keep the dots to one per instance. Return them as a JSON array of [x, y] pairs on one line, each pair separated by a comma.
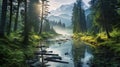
[[78, 18], [17, 15], [10, 18], [105, 14], [3, 18]]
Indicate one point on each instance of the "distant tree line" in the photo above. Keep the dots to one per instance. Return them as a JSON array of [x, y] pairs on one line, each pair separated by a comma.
[[57, 23]]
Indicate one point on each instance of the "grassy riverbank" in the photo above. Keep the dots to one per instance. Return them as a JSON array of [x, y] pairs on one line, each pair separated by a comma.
[[106, 51]]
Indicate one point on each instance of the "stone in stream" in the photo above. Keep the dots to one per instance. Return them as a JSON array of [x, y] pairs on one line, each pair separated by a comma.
[[59, 43], [57, 40], [67, 39], [61, 39], [66, 53]]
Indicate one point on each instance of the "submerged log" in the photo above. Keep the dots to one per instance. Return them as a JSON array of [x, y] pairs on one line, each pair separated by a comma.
[[52, 60], [43, 52], [57, 57], [39, 53]]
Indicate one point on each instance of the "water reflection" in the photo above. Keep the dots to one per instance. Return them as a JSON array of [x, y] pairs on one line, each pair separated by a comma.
[[86, 61], [76, 53], [82, 54], [63, 47]]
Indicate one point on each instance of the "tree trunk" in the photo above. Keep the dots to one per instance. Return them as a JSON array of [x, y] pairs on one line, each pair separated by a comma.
[[41, 23], [107, 30], [105, 23], [11, 14], [3, 18], [26, 30], [17, 14]]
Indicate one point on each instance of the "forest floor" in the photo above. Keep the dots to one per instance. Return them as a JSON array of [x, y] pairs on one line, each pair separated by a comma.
[[14, 52], [106, 51]]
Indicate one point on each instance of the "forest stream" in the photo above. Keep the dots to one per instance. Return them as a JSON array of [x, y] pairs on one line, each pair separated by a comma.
[[65, 48], [59, 33]]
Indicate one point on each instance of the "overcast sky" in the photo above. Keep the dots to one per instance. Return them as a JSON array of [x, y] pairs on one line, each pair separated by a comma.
[[57, 3]]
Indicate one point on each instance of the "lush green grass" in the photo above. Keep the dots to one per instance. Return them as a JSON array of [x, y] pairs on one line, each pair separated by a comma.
[[107, 51]]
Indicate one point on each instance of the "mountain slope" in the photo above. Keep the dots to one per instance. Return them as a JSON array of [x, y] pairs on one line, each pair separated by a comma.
[[63, 13]]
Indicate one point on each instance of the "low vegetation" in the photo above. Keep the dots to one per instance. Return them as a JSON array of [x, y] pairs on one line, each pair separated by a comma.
[[106, 50], [12, 50]]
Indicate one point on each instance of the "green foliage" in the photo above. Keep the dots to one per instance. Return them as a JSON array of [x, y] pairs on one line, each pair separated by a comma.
[[107, 51], [105, 14], [78, 18], [14, 36], [34, 39], [12, 52], [11, 55], [23, 26], [45, 35], [107, 54], [115, 33], [29, 51]]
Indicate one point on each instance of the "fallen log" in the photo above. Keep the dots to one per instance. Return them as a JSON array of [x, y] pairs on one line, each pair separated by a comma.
[[57, 57]]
